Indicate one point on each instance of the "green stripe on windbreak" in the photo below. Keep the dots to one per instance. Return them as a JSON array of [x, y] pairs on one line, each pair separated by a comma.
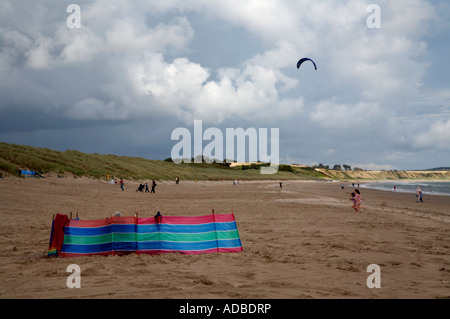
[[230, 234], [132, 237], [87, 240], [187, 237]]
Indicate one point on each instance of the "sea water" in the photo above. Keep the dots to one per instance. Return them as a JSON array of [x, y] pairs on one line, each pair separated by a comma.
[[432, 188]]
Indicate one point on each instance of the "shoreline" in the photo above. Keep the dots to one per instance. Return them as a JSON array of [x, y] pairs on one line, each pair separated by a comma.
[[407, 183]]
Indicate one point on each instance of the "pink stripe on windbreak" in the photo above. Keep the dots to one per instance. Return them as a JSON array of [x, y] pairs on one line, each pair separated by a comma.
[[181, 220], [89, 223], [174, 220]]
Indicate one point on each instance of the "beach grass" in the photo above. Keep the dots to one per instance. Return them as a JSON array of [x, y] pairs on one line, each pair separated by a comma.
[[71, 162], [15, 157]]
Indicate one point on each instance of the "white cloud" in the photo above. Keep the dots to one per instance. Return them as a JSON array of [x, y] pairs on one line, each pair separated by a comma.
[[104, 32], [267, 19], [39, 54], [383, 65], [170, 85], [184, 89], [435, 97], [437, 136], [330, 114], [130, 36], [380, 64], [5, 8]]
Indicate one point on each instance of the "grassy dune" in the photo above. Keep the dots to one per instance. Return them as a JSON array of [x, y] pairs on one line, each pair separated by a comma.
[[14, 157]]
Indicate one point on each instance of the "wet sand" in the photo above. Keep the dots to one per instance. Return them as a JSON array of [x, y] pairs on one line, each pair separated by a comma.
[[301, 241]]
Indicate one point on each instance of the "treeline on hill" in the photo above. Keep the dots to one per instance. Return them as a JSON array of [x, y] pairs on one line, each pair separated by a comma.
[[16, 157]]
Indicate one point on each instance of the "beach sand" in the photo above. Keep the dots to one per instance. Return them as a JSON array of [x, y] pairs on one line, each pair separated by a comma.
[[301, 241]]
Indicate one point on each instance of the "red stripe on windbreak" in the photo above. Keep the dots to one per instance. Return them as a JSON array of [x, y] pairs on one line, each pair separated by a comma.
[[173, 220], [123, 220], [89, 223], [223, 218], [181, 220], [101, 222]]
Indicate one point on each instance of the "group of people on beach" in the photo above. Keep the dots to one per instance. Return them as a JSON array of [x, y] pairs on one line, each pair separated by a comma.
[[142, 186], [356, 199]]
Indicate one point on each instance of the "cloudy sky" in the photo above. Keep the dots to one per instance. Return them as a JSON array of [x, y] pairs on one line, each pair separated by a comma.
[[136, 70]]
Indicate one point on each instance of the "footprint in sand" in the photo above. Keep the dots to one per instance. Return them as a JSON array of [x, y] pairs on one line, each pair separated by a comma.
[[249, 275]]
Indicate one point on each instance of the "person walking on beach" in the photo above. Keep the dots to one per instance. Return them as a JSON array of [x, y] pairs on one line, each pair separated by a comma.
[[121, 184], [418, 191], [146, 188], [281, 185], [153, 186], [420, 194]]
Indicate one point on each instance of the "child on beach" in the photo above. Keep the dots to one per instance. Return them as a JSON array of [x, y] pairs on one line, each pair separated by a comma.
[[355, 203], [358, 199]]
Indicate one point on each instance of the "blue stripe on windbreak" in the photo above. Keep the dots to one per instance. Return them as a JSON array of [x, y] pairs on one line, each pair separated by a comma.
[[132, 246], [150, 228], [102, 230], [98, 248], [191, 246], [186, 229], [123, 228], [150, 245], [86, 249], [226, 226], [87, 231], [229, 243]]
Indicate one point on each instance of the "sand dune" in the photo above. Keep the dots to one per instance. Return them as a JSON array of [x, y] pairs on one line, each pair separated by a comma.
[[302, 241], [386, 175]]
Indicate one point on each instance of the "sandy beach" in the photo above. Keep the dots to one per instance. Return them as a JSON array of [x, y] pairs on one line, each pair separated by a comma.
[[301, 241]]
